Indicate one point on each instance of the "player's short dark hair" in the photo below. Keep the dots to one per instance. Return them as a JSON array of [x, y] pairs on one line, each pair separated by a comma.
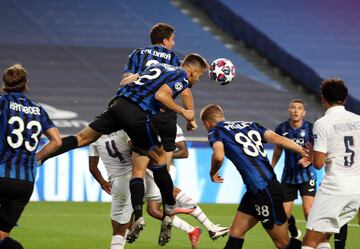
[[161, 31], [15, 78], [297, 101], [193, 60], [211, 112], [334, 90]]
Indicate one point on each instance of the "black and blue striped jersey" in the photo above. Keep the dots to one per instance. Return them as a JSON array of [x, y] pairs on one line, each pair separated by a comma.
[[243, 145], [142, 58], [22, 123], [142, 91], [293, 172]]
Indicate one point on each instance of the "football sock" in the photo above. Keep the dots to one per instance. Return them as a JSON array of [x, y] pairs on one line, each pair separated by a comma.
[[197, 213], [307, 247], [68, 143], [293, 244], [137, 191], [9, 243], [117, 242], [164, 182], [340, 238], [324, 245], [292, 227], [182, 225], [234, 243]]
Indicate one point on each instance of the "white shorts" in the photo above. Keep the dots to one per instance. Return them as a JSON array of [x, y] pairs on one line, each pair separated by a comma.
[[330, 212], [121, 208]]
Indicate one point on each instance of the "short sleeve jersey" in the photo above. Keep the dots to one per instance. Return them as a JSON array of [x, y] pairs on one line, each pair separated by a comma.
[[114, 152], [22, 122], [243, 145], [142, 91], [337, 134]]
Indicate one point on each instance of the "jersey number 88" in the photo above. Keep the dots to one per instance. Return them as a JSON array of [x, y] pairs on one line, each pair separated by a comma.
[[251, 143]]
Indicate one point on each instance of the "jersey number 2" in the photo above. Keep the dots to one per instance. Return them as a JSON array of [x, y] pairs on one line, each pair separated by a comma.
[[349, 143], [147, 77]]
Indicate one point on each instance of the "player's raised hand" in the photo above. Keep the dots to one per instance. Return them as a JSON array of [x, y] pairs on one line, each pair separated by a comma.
[[188, 114], [216, 178], [191, 125], [106, 186]]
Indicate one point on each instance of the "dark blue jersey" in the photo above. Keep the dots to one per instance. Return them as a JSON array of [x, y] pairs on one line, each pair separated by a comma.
[[142, 91], [293, 172], [142, 58], [243, 145], [21, 126]]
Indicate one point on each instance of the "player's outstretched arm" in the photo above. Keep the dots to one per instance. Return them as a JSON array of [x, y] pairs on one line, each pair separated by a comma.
[[273, 138], [217, 160], [164, 96], [93, 168], [53, 145]]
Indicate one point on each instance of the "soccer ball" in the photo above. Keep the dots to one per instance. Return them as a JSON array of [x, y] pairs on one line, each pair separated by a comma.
[[222, 71]]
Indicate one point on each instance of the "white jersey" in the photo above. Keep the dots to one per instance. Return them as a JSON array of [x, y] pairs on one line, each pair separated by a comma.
[[338, 135], [114, 152], [179, 134]]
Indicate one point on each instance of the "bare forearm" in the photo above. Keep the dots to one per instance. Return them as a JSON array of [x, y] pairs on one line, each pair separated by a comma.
[[187, 100], [288, 144], [48, 149], [95, 172], [129, 79], [169, 102], [276, 155], [215, 165]]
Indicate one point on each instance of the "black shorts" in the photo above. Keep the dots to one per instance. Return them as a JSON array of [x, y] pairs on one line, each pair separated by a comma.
[[125, 115], [306, 189], [165, 125], [266, 205], [14, 195]]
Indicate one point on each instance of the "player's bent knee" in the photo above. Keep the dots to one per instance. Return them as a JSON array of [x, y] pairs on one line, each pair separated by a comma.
[[236, 232]]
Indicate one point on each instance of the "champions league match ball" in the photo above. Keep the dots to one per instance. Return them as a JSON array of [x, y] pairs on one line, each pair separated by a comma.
[[222, 71]]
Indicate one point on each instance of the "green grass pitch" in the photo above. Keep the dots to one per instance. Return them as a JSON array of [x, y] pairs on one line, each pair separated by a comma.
[[61, 225]]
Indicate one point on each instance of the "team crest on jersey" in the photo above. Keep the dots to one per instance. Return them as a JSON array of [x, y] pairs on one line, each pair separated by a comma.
[[178, 86], [302, 133]]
